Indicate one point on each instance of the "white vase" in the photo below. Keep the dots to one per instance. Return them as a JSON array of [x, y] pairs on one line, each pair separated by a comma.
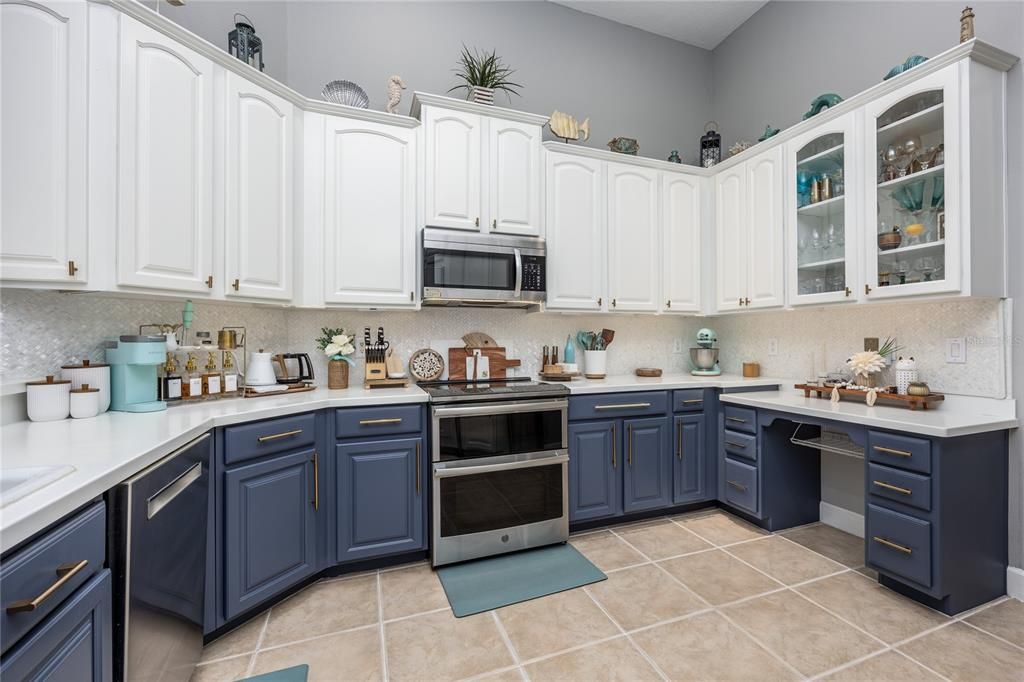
[[595, 363], [905, 377]]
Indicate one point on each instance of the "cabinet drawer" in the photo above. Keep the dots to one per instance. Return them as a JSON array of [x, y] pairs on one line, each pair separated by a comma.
[[688, 400], [378, 421], [901, 486], [741, 485], [250, 441], [740, 419], [36, 579], [608, 405], [904, 452], [899, 544], [740, 444]]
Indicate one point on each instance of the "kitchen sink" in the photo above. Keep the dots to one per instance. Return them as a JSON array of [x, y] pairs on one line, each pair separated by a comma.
[[17, 482]]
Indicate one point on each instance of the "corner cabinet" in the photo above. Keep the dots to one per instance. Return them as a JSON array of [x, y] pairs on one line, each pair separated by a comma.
[[633, 238], [369, 203], [43, 80]]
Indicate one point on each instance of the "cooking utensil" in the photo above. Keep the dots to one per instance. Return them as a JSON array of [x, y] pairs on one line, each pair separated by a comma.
[[607, 336], [497, 363], [586, 339]]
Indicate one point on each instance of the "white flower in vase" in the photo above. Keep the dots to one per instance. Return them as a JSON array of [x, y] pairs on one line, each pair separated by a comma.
[[865, 363]]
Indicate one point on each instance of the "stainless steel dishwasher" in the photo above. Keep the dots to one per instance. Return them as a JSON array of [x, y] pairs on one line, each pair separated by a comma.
[[158, 556]]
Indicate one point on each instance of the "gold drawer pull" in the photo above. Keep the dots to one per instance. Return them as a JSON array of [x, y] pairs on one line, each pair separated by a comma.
[[739, 486], [316, 482], [693, 401], [622, 406], [264, 439], [373, 422], [890, 451], [65, 572], [894, 488], [736, 419], [736, 445], [893, 545]]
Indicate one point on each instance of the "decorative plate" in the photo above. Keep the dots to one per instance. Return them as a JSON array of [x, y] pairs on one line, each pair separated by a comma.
[[426, 364]]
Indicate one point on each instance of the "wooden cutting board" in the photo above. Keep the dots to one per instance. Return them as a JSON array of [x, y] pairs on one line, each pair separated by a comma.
[[496, 357]]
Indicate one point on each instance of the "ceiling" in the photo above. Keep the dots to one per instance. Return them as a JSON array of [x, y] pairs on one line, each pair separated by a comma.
[[704, 23]]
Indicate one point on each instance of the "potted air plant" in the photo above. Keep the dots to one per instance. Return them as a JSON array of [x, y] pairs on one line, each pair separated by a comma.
[[481, 74], [337, 346]]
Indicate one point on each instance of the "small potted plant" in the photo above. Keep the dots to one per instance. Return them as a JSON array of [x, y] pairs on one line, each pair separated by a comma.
[[337, 346], [481, 74], [866, 364]]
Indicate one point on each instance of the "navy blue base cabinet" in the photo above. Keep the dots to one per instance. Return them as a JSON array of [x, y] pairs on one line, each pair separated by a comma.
[[648, 471], [595, 487], [689, 469]]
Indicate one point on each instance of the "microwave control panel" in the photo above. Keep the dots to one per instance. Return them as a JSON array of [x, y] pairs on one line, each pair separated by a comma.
[[533, 273]]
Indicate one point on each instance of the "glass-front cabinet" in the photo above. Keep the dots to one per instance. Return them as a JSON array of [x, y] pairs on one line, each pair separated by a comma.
[[820, 218], [913, 137]]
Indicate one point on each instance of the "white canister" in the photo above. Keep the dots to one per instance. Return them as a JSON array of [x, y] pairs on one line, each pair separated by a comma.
[[96, 375], [48, 400], [85, 402], [595, 363], [906, 374]]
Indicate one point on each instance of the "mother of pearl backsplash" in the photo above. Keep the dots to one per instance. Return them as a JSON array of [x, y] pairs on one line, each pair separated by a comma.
[[40, 331]]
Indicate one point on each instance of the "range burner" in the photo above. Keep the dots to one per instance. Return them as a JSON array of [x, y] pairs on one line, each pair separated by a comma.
[[497, 389]]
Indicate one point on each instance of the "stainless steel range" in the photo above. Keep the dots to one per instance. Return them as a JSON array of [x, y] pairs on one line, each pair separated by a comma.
[[500, 467]]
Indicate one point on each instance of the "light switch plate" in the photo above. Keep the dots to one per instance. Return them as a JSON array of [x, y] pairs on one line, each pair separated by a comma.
[[678, 346], [956, 351]]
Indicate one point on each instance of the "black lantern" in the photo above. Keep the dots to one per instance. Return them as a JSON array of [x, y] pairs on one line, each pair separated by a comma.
[[244, 44], [710, 146]]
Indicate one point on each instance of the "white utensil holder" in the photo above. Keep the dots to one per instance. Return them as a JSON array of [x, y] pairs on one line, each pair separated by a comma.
[[595, 363]]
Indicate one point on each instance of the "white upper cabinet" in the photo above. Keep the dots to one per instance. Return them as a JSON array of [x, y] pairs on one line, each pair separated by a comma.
[[731, 246], [370, 214], [764, 237], [258, 205], [43, 78], [165, 160], [633, 238], [453, 169], [576, 236], [515, 177], [680, 242]]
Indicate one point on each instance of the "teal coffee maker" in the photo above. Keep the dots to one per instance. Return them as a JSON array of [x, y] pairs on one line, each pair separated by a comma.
[[133, 364]]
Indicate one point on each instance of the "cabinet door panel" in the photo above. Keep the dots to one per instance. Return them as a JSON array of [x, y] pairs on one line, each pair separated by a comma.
[[680, 230], [764, 236], [689, 466], [731, 245], [633, 239], [380, 498], [370, 231], [164, 232], [595, 482], [453, 169], [43, 78], [258, 209], [647, 475], [575, 227], [269, 529], [515, 178]]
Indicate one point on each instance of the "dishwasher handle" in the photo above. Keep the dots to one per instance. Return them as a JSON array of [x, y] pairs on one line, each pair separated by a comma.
[[166, 495]]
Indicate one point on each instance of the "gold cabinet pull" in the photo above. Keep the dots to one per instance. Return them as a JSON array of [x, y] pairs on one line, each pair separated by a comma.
[[891, 451], [736, 445], [668, 303], [65, 572], [614, 448], [736, 419], [867, 289], [622, 406], [412, 296], [848, 292], [72, 268], [895, 488], [275, 436], [316, 481], [629, 443], [893, 545], [372, 422], [739, 486], [209, 282], [418, 443], [234, 285], [614, 303], [679, 441], [693, 401], [494, 224], [600, 301]]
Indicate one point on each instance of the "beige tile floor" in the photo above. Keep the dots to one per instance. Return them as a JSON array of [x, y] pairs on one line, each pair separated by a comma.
[[702, 596]]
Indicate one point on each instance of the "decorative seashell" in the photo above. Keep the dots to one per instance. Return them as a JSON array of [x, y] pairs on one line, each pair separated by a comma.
[[566, 127], [871, 397], [835, 394], [739, 147], [624, 145]]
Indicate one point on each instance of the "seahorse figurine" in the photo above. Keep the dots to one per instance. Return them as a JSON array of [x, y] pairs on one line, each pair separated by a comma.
[[395, 87]]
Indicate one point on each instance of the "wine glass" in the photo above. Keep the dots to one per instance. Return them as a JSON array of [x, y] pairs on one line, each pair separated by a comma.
[[815, 244], [902, 268], [926, 266], [830, 241]]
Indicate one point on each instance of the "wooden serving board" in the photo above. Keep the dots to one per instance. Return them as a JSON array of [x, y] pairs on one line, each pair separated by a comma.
[[911, 401], [496, 357], [286, 389]]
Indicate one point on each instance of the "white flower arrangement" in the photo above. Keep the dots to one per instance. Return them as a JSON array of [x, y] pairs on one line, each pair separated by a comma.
[[336, 344]]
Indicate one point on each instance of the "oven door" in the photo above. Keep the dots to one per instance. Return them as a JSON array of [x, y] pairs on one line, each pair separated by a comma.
[[451, 272], [496, 429], [494, 505]]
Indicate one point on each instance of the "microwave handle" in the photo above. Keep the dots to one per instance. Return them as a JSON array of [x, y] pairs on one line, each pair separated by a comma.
[[519, 272]]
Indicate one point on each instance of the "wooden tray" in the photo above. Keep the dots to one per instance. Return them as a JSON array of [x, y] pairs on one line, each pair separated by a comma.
[[286, 389], [558, 376], [386, 383], [497, 361], [911, 401]]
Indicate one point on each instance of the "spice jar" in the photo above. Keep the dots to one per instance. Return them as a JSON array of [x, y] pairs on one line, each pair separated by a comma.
[[85, 402]]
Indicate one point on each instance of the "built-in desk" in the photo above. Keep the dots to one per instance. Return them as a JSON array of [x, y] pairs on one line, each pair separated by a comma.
[[935, 503]]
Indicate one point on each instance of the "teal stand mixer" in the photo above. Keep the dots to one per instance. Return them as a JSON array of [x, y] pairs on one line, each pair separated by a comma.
[[704, 357]]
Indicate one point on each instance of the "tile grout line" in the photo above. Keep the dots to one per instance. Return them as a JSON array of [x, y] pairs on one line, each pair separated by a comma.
[[767, 649], [505, 638], [318, 637], [991, 634], [914, 660], [623, 633], [259, 643], [380, 631]]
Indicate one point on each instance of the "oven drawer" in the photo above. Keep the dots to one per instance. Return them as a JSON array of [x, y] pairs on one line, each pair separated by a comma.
[[741, 485], [901, 486], [688, 400], [740, 444], [267, 437], [740, 419], [610, 405], [378, 421], [904, 452], [899, 544]]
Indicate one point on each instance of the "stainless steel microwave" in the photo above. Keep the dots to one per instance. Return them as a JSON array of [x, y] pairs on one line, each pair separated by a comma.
[[482, 269]]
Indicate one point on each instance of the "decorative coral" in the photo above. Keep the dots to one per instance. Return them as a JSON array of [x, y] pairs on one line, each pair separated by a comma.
[[865, 363]]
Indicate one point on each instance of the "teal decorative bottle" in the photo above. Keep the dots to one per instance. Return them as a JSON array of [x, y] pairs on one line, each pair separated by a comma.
[[569, 356]]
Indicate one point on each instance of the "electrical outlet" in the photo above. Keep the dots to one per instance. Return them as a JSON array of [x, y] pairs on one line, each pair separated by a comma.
[[956, 351], [773, 347], [678, 346]]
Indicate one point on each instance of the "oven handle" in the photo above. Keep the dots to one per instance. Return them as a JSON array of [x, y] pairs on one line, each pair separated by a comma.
[[490, 468], [501, 408], [519, 272]]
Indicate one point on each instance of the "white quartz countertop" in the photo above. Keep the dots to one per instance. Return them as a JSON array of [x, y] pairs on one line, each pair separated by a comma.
[[114, 446], [631, 382], [959, 417]]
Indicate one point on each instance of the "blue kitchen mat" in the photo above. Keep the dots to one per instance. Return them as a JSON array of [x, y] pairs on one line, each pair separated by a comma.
[[485, 584], [296, 673]]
